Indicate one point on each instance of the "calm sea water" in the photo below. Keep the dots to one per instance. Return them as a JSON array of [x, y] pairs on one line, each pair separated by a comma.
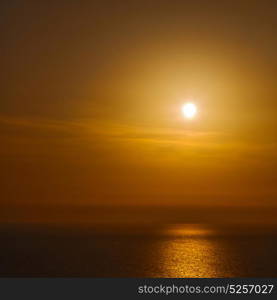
[[183, 250]]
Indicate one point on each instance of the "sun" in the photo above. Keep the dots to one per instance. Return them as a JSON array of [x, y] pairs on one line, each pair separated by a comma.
[[189, 110]]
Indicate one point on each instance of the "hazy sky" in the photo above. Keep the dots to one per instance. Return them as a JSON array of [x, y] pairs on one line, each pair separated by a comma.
[[91, 96]]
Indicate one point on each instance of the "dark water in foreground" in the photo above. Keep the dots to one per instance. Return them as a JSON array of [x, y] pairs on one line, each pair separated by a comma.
[[126, 251]]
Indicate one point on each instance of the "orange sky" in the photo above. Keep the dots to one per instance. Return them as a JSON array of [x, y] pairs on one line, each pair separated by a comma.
[[91, 101]]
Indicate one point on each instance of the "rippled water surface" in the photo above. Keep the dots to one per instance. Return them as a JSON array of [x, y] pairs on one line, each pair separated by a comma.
[[183, 250]]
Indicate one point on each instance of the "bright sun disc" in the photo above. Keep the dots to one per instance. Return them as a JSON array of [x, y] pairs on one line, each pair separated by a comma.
[[189, 110]]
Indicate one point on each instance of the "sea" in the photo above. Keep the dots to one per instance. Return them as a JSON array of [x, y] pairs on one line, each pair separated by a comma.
[[128, 250]]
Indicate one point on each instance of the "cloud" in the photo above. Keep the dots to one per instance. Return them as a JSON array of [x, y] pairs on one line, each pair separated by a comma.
[[104, 134]]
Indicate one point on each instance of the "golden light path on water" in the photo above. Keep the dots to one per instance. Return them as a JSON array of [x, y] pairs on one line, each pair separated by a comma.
[[192, 253]]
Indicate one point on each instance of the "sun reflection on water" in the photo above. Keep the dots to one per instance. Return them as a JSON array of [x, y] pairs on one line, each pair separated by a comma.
[[188, 230], [192, 252]]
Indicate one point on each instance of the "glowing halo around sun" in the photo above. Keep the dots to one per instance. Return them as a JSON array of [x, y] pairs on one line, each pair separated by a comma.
[[189, 110]]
